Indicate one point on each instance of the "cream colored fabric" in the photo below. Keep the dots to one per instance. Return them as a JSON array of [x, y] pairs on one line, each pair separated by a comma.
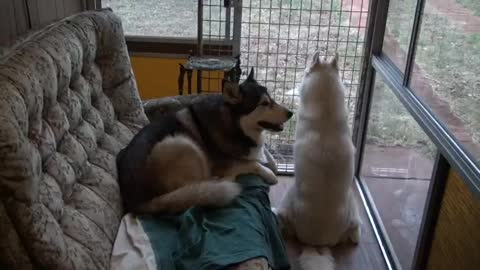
[[132, 249]]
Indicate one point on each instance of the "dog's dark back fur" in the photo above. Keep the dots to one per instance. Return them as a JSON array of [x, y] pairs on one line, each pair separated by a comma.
[[135, 180]]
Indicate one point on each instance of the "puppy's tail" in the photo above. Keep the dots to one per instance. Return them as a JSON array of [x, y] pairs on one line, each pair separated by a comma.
[[207, 193], [312, 259]]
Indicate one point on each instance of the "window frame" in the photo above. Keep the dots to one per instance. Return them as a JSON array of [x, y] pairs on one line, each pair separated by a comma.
[[450, 153]]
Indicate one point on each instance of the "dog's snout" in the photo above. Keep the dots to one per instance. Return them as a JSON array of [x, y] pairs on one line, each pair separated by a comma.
[[289, 114]]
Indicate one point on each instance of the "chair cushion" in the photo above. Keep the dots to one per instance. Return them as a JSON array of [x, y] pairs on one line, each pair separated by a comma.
[[68, 104]]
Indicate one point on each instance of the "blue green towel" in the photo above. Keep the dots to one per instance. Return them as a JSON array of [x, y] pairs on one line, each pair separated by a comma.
[[207, 238]]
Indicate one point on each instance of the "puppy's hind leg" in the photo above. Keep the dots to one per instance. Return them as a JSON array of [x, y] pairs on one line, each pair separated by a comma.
[[177, 161], [184, 178], [205, 193]]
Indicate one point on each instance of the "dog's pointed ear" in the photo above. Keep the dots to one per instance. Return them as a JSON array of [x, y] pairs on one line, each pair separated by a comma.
[[334, 61], [231, 93], [251, 75], [315, 59]]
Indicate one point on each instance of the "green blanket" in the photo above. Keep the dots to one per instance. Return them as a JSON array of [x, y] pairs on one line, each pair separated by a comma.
[[212, 239]]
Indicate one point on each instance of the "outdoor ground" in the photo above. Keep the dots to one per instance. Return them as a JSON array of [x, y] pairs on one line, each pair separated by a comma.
[[447, 60]]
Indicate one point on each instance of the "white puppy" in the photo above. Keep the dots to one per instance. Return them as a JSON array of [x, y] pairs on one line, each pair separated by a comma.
[[319, 209]]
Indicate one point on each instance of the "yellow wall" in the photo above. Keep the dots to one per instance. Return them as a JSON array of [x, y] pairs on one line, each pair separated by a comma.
[[456, 242], [157, 77]]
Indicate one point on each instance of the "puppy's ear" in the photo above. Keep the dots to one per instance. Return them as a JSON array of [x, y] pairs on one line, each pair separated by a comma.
[[315, 59], [251, 75], [334, 61], [231, 93]]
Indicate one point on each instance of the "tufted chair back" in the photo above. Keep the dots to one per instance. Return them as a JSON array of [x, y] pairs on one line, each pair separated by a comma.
[[68, 104]]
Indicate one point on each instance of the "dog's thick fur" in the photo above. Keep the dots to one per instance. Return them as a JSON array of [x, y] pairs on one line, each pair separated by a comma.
[[319, 209], [191, 157]]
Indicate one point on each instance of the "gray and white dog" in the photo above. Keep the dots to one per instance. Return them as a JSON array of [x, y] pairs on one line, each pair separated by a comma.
[[191, 157]]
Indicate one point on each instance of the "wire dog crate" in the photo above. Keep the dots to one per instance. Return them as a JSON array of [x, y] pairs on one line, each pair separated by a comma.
[[277, 38]]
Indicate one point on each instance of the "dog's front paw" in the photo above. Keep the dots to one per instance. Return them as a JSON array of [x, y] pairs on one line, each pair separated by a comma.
[[268, 176]]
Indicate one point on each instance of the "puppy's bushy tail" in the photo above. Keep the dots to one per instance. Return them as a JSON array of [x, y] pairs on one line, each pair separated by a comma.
[[207, 193], [313, 259]]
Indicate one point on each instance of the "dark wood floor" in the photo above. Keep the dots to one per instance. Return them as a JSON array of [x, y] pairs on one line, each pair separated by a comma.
[[365, 256]]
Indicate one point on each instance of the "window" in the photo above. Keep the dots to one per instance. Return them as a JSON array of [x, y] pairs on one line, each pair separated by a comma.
[[160, 18], [427, 105], [397, 168], [446, 72], [398, 30]]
